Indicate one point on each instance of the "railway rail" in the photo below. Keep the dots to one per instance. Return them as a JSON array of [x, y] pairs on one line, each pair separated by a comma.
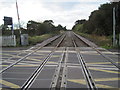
[[87, 74], [59, 75], [35, 49], [59, 79], [31, 79], [94, 48]]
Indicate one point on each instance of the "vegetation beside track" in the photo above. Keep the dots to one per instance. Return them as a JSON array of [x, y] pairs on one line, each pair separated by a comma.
[[37, 31], [102, 41], [33, 40], [38, 39], [99, 26]]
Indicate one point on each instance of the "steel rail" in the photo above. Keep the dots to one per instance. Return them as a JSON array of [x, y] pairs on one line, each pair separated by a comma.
[[23, 51], [64, 75], [60, 76], [89, 79], [19, 60], [106, 57], [56, 74], [34, 75]]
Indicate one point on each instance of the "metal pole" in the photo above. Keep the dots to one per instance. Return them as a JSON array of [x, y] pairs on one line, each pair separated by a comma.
[[18, 21], [114, 23], [18, 14]]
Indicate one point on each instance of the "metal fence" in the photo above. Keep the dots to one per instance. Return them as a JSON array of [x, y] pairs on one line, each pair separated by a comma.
[[8, 40]]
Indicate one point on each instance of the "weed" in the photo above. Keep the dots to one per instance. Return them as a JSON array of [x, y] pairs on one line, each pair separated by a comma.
[[102, 41]]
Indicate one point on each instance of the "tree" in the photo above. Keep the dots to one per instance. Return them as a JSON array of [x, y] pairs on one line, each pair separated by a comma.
[[59, 27], [100, 21], [79, 25], [80, 21], [39, 28], [48, 21], [118, 17]]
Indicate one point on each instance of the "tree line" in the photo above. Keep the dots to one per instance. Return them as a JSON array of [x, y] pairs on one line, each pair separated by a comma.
[[100, 21], [36, 28], [40, 28]]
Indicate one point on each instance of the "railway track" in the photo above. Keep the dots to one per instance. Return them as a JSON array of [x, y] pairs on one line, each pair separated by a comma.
[[89, 79], [94, 48], [52, 71], [31, 79], [32, 50], [60, 76]]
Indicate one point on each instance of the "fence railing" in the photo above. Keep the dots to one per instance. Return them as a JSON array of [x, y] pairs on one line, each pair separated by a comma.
[[8, 40]]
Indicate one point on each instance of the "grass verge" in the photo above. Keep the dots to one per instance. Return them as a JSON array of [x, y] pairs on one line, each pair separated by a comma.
[[102, 41], [38, 39], [33, 40]]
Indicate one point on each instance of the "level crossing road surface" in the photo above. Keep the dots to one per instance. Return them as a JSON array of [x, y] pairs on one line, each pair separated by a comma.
[[104, 74]]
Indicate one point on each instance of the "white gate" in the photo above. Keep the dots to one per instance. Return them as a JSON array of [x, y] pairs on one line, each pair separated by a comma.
[[8, 40]]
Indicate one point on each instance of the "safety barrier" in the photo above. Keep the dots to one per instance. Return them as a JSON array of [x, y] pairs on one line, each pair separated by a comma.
[[8, 40]]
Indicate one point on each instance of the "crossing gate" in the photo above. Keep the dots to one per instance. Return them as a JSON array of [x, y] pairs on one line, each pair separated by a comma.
[[8, 40]]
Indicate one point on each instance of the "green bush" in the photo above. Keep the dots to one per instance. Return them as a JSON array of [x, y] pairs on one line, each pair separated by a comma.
[[38, 39], [102, 41]]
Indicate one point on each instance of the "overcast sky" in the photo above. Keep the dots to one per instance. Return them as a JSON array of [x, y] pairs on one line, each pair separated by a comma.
[[64, 12]]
